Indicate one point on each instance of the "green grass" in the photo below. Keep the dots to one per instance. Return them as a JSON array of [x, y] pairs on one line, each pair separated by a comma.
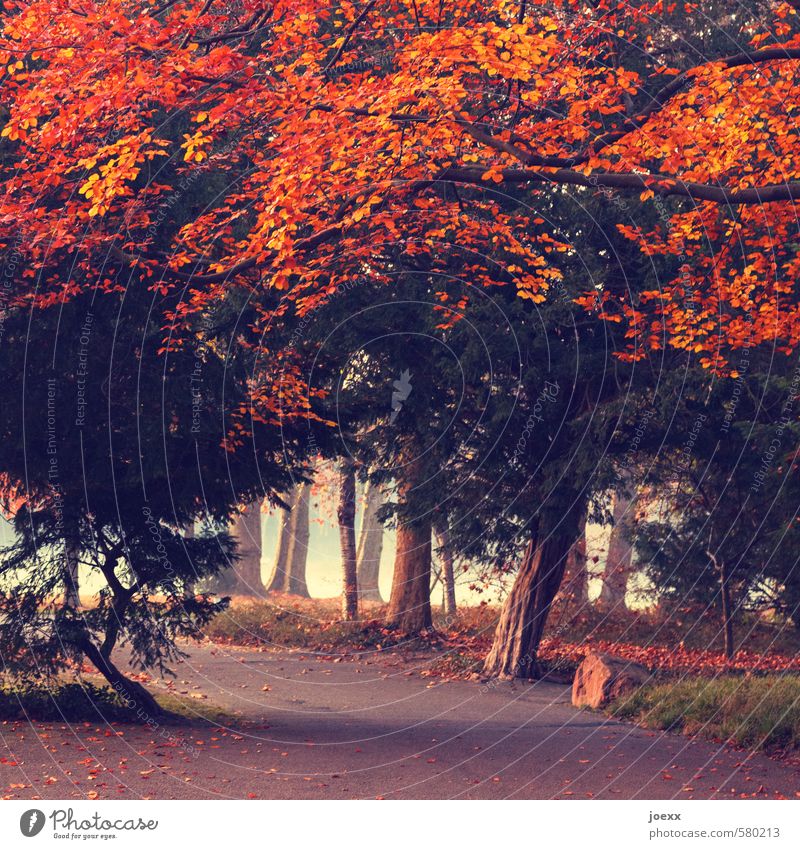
[[85, 701], [71, 702], [181, 710], [753, 712]]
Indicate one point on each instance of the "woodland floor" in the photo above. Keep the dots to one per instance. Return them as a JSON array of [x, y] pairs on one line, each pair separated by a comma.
[[366, 724]]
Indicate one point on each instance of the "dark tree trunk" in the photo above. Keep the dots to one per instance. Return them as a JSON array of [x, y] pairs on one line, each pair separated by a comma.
[[71, 584], [299, 534], [727, 608], [135, 696], [346, 514], [519, 632], [279, 580], [448, 576], [619, 561], [370, 546], [189, 583], [410, 601]]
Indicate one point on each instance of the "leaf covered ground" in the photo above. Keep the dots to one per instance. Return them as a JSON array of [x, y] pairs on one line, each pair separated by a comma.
[[672, 641]]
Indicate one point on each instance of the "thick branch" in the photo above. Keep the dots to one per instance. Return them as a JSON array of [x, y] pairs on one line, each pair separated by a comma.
[[659, 99], [660, 185], [738, 60]]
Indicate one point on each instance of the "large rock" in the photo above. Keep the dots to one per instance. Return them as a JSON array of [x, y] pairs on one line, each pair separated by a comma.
[[601, 678]]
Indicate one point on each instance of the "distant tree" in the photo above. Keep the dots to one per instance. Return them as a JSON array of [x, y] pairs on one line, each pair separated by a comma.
[[346, 517], [370, 545], [445, 551], [296, 582], [619, 555], [243, 577]]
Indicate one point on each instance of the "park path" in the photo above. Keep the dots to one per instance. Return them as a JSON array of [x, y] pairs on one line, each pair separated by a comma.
[[306, 726]]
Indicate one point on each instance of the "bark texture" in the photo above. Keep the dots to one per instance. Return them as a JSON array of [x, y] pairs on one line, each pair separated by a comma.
[[346, 515], [370, 546], [524, 614], [71, 583], [135, 696], [410, 601]]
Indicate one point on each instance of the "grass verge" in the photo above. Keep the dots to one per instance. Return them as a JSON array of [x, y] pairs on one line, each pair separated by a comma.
[[754, 712], [84, 701]]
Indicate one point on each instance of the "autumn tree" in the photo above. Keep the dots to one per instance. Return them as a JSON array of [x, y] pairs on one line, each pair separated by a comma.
[[370, 545], [349, 140]]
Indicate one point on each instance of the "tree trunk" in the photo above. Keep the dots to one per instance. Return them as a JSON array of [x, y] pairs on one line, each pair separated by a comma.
[[727, 607], [410, 601], [448, 577], [370, 546], [71, 586], [135, 696], [244, 576], [619, 562], [189, 583], [575, 587], [524, 614], [278, 581], [346, 514], [297, 556]]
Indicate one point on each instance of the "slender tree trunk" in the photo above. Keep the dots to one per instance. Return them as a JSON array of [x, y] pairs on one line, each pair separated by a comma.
[[619, 562], [370, 546], [300, 532], [71, 585], [448, 576], [523, 617], [189, 583], [278, 581], [727, 606], [346, 514], [132, 692]]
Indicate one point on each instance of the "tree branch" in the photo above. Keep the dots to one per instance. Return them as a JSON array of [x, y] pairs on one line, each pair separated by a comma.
[[660, 185], [738, 60], [348, 35]]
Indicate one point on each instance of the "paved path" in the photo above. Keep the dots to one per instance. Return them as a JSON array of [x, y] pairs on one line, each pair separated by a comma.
[[372, 726]]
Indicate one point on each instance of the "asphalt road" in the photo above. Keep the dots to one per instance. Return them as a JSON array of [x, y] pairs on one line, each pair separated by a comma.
[[317, 727]]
